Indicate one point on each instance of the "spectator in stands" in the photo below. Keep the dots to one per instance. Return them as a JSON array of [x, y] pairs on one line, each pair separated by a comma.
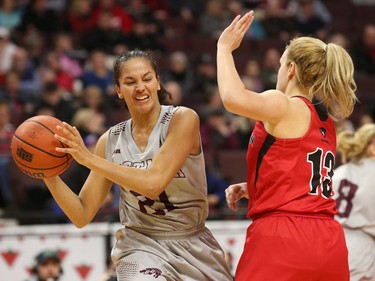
[[237, 7], [217, 131], [276, 21], [160, 8], [19, 103], [205, 80], [10, 14], [295, 8], [176, 97], [187, 10], [155, 19], [103, 36], [97, 72], [89, 122], [79, 16], [37, 15], [120, 18], [214, 18], [7, 50], [216, 186], [180, 70], [340, 39], [30, 80], [62, 77], [309, 22], [47, 267], [363, 51], [6, 133], [363, 2], [270, 66], [54, 97], [251, 76], [35, 44], [93, 98], [69, 57], [144, 36]]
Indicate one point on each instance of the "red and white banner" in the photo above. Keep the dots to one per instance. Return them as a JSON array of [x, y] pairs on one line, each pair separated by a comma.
[[84, 251]]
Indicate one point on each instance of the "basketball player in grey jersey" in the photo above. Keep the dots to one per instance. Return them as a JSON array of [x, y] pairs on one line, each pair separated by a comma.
[[354, 189], [156, 157]]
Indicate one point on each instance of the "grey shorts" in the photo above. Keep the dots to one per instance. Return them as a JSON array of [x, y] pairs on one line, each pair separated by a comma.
[[199, 257]]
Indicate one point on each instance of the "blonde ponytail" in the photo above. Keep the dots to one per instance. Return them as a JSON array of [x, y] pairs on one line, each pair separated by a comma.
[[326, 71]]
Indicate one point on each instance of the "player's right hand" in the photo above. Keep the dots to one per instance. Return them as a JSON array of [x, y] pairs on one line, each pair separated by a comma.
[[232, 36], [234, 193]]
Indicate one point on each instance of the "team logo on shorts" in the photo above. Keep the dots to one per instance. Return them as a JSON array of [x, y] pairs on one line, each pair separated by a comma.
[[155, 272]]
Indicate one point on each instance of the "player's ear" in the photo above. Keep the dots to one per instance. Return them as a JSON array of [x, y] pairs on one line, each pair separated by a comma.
[[291, 70], [119, 94], [371, 149], [159, 87]]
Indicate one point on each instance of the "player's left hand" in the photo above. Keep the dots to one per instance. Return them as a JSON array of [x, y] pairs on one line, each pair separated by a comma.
[[74, 142]]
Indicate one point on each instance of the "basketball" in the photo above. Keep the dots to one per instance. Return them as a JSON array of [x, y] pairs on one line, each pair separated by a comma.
[[33, 148]]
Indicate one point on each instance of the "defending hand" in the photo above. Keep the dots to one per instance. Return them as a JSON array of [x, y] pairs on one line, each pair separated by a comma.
[[232, 36]]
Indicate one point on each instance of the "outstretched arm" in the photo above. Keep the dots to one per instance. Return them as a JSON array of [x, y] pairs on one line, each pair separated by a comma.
[[268, 106]]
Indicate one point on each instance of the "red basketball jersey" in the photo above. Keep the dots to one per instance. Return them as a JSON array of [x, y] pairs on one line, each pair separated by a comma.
[[293, 175]]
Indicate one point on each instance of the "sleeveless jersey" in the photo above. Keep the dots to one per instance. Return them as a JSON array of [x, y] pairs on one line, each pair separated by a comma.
[[354, 187], [292, 175], [182, 205]]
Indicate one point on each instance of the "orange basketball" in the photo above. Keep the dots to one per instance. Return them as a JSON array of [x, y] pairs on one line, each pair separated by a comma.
[[33, 148]]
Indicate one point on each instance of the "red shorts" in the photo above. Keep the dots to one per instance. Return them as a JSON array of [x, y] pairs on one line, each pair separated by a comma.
[[294, 248]]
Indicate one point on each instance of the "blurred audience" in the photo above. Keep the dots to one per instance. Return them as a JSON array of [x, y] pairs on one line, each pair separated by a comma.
[[363, 51], [38, 16], [180, 70], [79, 16], [19, 102], [309, 21], [104, 36], [205, 80], [56, 59], [175, 90], [10, 14], [270, 67], [30, 80], [144, 36], [120, 18], [214, 18], [55, 97], [6, 133], [251, 76], [97, 72], [7, 50], [277, 21]]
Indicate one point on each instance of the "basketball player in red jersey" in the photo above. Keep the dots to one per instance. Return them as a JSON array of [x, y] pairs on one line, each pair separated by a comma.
[[291, 155]]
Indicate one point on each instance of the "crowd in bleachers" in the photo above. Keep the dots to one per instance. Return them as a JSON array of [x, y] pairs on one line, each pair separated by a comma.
[[56, 59]]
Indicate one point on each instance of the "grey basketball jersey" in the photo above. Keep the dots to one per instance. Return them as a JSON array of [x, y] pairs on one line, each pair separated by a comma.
[[182, 206], [353, 185]]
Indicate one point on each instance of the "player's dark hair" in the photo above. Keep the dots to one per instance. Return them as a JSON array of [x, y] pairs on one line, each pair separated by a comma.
[[122, 59]]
